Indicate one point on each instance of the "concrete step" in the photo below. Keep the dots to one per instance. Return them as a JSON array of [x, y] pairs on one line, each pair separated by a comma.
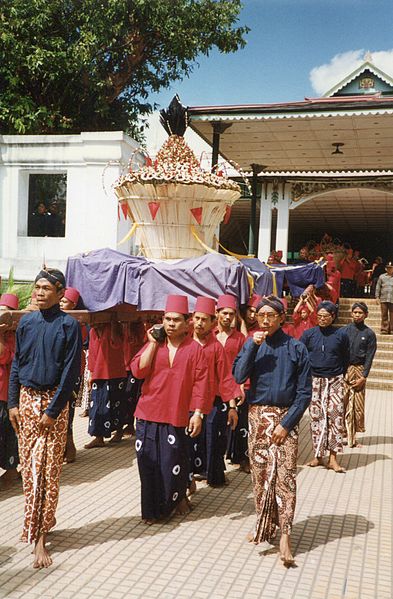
[[384, 364], [379, 384], [384, 354], [382, 373], [384, 345], [385, 339], [370, 301]]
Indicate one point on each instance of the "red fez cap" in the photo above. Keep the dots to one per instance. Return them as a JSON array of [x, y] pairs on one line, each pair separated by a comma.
[[177, 303], [227, 301], [207, 305], [10, 300], [72, 294], [254, 300]]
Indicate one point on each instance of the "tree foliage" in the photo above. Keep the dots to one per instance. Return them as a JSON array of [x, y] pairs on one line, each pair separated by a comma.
[[72, 65]]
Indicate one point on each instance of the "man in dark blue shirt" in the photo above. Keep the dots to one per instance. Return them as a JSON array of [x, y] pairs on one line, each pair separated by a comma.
[[328, 349], [43, 375], [280, 391], [362, 345]]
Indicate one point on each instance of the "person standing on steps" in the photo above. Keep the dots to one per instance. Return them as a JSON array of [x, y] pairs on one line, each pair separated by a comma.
[[384, 297], [362, 348]]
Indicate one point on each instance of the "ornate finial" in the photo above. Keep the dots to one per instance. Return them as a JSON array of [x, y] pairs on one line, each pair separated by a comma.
[[368, 57], [175, 118]]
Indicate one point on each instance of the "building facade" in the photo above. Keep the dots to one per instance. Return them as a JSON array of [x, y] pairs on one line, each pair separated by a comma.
[[322, 165], [56, 198]]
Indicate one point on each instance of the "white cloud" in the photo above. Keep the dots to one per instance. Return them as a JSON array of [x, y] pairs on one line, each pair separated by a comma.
[[328, 75]]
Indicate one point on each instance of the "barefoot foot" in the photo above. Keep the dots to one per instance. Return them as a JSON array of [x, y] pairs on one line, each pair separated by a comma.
[[285, 551], [315, 462], [70, 450], [117, 437], [192, 488], [150, 522], [250, 537], [183, 507], [335, 466], [96, 442], [42, 559]]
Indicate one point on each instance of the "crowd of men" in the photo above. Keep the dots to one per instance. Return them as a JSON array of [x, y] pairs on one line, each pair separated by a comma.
[[358, 276], [224, 381]]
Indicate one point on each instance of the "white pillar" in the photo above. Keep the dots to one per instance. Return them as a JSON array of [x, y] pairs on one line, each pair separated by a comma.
[[265, 225], [283, 224]]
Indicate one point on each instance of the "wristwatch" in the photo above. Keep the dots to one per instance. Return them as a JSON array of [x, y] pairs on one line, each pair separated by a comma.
[[198, 413]]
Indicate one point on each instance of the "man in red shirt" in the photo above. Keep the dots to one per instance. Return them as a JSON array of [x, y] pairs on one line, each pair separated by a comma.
[[348, 267], [248, 314], [9, 457], [208, 450], [175, 382], [108, 376]]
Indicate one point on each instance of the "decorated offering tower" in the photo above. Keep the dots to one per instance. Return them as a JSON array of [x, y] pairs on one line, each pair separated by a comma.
[[175, 205]]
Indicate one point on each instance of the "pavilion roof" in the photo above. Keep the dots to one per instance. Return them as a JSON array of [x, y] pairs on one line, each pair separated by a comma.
[[299, 136]]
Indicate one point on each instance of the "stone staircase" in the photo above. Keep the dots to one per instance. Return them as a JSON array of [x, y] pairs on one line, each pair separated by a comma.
[[381, 374]]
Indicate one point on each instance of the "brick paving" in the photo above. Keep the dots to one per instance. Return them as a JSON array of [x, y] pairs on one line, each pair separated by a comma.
[[342, 532]]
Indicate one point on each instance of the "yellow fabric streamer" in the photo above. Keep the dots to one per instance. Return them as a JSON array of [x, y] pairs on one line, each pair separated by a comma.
[[274, 279], [129, 234], [199, 240], [238, 256]]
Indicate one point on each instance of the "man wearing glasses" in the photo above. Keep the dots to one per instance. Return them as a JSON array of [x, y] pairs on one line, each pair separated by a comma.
[[328, 349], [280, 391]]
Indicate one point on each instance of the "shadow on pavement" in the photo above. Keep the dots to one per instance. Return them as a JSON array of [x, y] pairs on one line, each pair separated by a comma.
[[353, 461], [93, 464], [112, 529], [320, 530], [316, 531], [376, 440], [6, 553], [11, 491]]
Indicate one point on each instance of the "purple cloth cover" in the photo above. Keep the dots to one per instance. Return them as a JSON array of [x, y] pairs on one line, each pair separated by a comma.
[[106, 278]]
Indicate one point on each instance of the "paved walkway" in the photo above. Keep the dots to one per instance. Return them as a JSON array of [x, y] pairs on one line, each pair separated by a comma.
[[342, 532]]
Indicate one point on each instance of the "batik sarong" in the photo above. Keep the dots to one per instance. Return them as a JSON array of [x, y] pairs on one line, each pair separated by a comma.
[[163, 464], [83, 398], [41, 458], [9, 457], [273, 472], [354, 404], [108, 407], [86, 390], [327, 415], [72, 406], [207, 450]]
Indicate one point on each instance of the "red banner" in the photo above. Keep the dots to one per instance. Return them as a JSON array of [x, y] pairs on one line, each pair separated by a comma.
[[197, 214], [153, 207], [124, 209]]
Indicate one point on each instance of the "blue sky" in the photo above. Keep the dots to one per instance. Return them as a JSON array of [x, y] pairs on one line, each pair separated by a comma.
[[288, 39]]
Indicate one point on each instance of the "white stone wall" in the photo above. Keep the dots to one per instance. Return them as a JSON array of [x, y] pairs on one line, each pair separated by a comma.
[[91, 210]]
